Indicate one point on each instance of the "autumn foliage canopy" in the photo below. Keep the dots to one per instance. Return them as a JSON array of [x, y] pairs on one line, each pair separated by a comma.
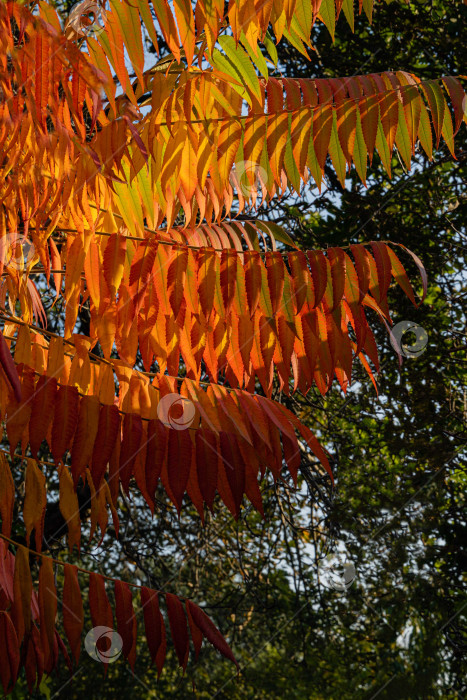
[[132, 192]]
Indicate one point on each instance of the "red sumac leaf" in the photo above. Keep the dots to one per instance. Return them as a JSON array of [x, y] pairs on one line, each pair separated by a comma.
[[234, 468], [9, 367], [7, 490], [207, 460], [9, 658], [158, 435], [101, 612], [65, 419], [126, 621], [196, 634], [178, 628], [43, 405], [85, 435], [178, 463], [228, 276], [73, 615], [34, 660], [336, 257], [210, 631], [131, 444], [107, 434], [47, 606], [319, 271], [60, 644], [154, 627]]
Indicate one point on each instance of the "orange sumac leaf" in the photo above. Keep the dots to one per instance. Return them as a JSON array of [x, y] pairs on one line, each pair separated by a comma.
[[420, 267], [19, 414], [22, 592], [346, 128], [457, 95], [301, 278], [322, 127], [400, 275], [206, 263], [35, 501], [383, 266], [275, 275], [228, 276], [336, 258], [292, 455], [186, 27], [176, 276], [362, 265], [253, 278], [69, 507], [437, 105], [114, 258], [141, 269]]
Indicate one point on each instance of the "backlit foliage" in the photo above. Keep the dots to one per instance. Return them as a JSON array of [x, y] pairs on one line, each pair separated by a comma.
[[121, 184]]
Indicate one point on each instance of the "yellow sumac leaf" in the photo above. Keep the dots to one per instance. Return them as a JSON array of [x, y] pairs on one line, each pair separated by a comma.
[[128, 20]]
